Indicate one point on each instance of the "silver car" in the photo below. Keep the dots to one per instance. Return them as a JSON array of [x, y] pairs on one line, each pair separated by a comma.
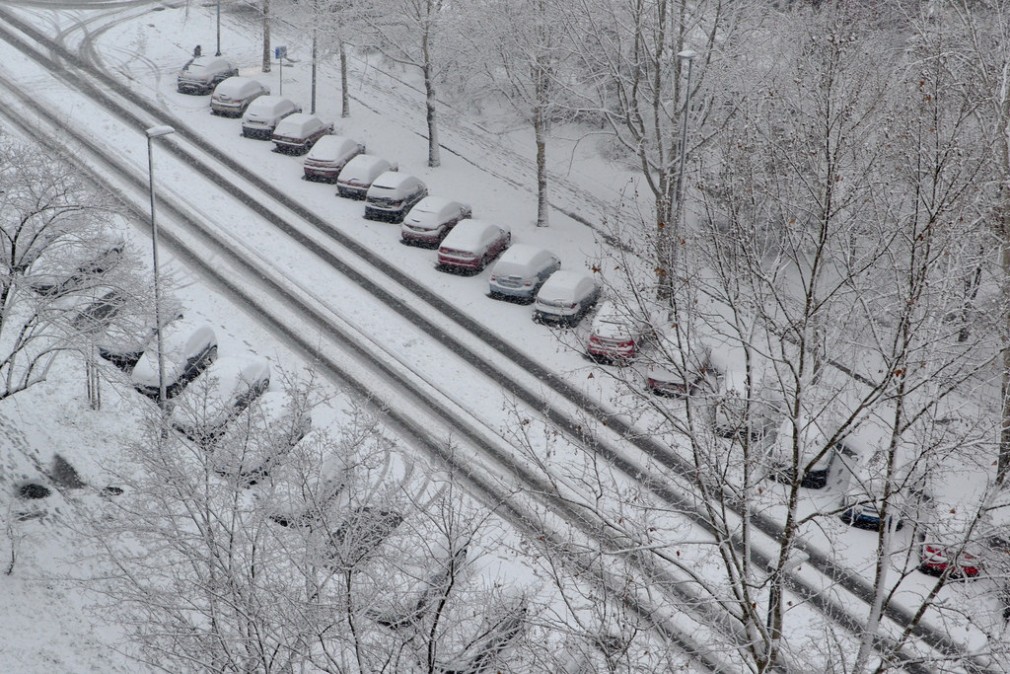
[[264, 114], [520, 271], [233, 95], [566, 297]]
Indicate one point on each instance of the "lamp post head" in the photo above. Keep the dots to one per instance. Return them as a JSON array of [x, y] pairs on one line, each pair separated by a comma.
[[159, 131], [687, 54]]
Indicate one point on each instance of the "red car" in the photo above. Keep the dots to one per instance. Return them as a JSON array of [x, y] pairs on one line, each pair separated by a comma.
[[935, 558], [471, 245], [617, 335]]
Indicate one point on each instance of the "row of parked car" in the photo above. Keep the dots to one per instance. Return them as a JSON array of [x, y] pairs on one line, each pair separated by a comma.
[[465, 244]]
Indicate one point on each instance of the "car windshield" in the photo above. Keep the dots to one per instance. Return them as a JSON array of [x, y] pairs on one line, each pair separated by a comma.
[[194, 68]]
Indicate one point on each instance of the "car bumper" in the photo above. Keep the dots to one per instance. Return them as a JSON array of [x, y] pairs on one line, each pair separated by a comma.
[[227, 109], [429, 238], [551, 318], [383, 215], [459, 263], [323, 174], [513, 293], [611, 353], [670, 389], [259, 133], [349, 192], [191, 87], [292, 147]]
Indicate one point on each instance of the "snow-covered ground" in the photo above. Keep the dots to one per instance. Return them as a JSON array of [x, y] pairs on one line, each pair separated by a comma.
[[44, 620]]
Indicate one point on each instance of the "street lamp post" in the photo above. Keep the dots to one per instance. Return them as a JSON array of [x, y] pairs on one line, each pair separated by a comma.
[[218, 53], [152, 133]]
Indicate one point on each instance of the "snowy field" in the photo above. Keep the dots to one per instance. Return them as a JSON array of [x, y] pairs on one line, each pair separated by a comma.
[[45, 617]]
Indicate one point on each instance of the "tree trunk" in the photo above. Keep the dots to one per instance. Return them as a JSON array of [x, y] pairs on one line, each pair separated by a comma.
[[540, 132], [434, 158]]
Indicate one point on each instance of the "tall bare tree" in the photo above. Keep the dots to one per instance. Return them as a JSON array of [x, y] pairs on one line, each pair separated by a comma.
[[415, 33]]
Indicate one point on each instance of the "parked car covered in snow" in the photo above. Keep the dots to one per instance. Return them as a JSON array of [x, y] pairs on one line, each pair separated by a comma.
[[391, 195], [297, 133], [126, 339], [745, 403], [329, 156], [679, 365], [963, 524], [618, 332], [201, 74], [188, 352], [565, 297], [883, 481], [359, 173], [232, 96], [520, 271], [257, 441], [430, 220], [820, 461], [300, 498], [264, 114], [227, 387], [471, 245], [69, 264]]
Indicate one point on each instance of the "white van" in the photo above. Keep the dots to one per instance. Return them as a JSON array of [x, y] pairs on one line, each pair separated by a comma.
[[867, 483], [263, 115], [740, 408], [819, 463]]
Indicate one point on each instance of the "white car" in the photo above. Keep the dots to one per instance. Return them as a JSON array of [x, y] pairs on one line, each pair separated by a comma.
[[264, 114], [232, 96], [430, 220], [297, 133], [329, 156], [226, 388], [520, 271], [256, 442], [472, 245], [201, 74], [359, 174], [132, 332], [188, 352], [69, 264], [566, 297], [391, 195]]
